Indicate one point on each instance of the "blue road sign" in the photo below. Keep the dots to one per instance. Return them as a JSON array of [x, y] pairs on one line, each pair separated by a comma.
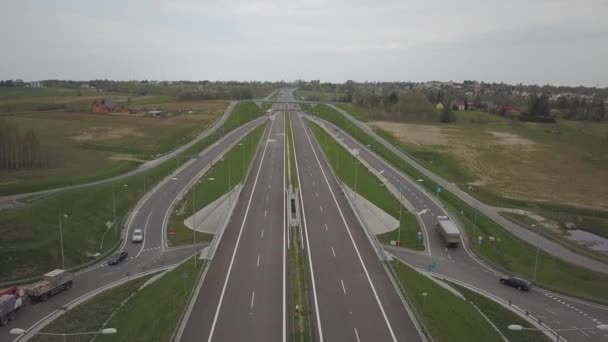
[[438, 189], [419, 236]]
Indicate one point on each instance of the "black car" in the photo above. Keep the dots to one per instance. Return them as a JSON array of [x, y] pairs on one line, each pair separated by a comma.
[[117, 257], [518, 283]]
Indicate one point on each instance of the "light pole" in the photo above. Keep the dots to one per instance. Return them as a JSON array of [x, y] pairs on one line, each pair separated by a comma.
[[61, 239], [356, 172], [517, 327], [424, 294], [106, 331], [399, 231], [114, 204], [536, 258]]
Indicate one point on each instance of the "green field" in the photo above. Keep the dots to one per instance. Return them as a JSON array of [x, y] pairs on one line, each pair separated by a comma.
[[368, 186], [212, 186], [90, 315], [293, 180], [85, 147], [154, 312], [445, 316], [320, 96], [509, 253]]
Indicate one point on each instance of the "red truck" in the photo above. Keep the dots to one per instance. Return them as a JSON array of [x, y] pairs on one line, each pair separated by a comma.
[[11, 300]]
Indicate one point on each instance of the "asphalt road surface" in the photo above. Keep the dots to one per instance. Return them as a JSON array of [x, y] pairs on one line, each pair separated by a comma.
[[152, 253], [243, 295], [353, 295], [557, 311]]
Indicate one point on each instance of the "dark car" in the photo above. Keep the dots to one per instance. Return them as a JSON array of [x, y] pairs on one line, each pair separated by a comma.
[[518, 283], [117, 257]]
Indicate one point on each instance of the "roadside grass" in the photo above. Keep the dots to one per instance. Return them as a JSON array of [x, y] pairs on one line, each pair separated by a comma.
[[508, 254], [356, 111], [502, 317], [559, 234], [370, 187], [293, 176], [321, 96], [301, 328], [86, 147], [445, 316], [30, 243], [225, 174], [153, 313], [90, 315]]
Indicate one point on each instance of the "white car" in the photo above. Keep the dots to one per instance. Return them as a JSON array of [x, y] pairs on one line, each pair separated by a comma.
[[138, 236]]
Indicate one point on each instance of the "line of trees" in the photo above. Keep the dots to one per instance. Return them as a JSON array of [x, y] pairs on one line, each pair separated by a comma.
[[582, 109], [20, 150]]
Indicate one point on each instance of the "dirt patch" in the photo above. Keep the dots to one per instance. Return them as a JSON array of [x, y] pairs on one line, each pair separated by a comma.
[[106, 133], [510, 139], [414, 133], [126, 157]]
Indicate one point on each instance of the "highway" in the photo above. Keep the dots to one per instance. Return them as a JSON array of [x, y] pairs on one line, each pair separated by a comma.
[[353, 295], [557, 311], [150, 215], [243, 295]]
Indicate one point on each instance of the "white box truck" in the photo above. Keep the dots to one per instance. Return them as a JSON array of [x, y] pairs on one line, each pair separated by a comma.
[[448, 231]]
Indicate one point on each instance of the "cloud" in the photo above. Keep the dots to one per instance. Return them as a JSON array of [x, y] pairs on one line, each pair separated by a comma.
[[331, 40]]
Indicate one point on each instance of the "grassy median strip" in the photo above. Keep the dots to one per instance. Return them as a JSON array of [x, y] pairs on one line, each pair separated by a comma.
[[445, 316], [370, 187], [153, 313], [301, 330], [225, 174], [509, 253], [90, 315], [502, 317], [30, 243]]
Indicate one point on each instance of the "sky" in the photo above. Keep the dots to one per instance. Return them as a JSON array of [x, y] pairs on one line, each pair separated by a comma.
[[559, 42]]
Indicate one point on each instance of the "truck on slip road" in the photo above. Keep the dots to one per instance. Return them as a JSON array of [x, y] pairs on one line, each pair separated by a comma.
[[53, 282], [11, 300], [448, 230]]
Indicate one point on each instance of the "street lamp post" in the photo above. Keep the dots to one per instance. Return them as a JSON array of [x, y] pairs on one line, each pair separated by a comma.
[[106, 331], [424, 294], [114, 204], [536, 258], [61, 240], [194, 222], [400, 206], [517, 327]]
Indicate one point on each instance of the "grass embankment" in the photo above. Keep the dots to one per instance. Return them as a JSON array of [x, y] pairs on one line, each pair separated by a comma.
[[320, 96], [85, 147], [508, 253], [502, 317], [370, 187], [445, 316], [30, 243], [301, 329], [90, 315], [153, 313], [225, 174]]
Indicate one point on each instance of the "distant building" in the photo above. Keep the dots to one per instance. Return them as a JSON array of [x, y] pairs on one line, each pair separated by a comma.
[[101, 106], [458, 105], [439, 105], [128, 110], [34, 84]]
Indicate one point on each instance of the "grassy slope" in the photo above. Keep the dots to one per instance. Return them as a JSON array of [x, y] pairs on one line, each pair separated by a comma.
[[446, 316], [369, 187], [30, 239], [502, 317], [320, 96], [509, 254], [153, 313], [90, 315], [238, 158]]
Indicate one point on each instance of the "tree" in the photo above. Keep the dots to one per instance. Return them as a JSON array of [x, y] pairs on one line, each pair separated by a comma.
[[601, 110], [466, 104], [393, 98], [446, 114]]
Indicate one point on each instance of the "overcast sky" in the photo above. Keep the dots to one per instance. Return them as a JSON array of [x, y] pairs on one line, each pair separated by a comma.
[[562, 42]]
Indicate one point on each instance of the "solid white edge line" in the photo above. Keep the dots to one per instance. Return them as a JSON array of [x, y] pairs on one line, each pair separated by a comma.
[[145, 230], [219, 306], [312, 274], [284, 232], [369, 279]]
